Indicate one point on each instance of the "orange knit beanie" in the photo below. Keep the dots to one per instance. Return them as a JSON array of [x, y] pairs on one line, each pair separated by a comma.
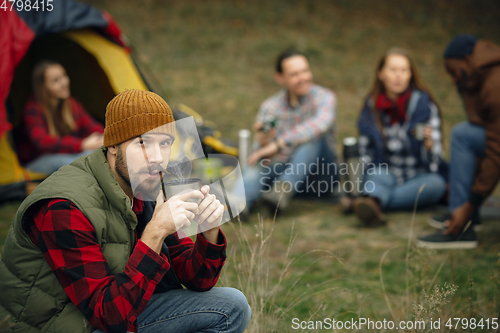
[[135, 112]]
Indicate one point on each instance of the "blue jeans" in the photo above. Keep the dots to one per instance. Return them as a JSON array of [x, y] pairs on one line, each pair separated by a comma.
[[295, 171], [50, 163], [183, 311], [467, 144], [402, 196]]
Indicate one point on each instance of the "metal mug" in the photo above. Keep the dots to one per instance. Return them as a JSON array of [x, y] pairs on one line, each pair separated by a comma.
[[419, 131], [177, 186]]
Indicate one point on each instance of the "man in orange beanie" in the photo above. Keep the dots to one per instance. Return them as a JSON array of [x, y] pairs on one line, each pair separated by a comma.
[[88, 252]]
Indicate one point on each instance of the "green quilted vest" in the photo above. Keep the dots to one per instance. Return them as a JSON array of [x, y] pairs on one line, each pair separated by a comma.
[[31, 297]]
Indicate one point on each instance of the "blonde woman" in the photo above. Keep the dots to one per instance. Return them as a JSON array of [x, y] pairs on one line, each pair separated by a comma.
[[56, 127], [400, 135]]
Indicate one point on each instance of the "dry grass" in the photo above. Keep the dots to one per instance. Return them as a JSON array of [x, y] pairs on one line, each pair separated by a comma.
[[269, 300], [276, 293], [266, 272]]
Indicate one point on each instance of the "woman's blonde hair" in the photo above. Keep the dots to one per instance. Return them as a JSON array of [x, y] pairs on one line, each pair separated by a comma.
[[60, 118]]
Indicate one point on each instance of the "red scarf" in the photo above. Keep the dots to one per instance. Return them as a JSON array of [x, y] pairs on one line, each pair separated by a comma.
[[395, 109]]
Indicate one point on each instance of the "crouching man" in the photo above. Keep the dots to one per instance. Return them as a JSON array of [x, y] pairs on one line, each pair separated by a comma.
[[474, 66], [86, 253]]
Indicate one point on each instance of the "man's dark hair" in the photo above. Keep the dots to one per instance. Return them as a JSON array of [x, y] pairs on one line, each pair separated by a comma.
[[284, 55]]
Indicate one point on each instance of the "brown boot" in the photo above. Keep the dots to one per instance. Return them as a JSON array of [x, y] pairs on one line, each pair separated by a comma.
[[346, 204], [367, 209]]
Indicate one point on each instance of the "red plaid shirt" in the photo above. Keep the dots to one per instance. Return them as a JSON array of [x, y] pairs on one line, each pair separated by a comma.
[[112, 302], [36, 139]]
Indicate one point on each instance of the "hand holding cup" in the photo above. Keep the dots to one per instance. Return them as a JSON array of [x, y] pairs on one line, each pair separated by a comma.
[[428, 141], [170, 216], [178, 211], [210, 210]]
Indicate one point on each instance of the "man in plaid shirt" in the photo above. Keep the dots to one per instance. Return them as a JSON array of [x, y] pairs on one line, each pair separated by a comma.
[[295, 135], [120, 260]]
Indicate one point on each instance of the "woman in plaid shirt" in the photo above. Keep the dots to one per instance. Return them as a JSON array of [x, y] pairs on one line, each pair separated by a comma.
[[400, 136], [56, 128]]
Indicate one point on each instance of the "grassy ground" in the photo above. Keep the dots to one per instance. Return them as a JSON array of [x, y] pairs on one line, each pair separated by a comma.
[[217, 57], [336, 268]]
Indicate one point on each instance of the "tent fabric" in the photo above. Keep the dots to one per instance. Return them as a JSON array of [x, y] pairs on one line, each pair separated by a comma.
[[15, 38], [110, 56], [20, 28], [11, 170], [99, 58], [65, 15]]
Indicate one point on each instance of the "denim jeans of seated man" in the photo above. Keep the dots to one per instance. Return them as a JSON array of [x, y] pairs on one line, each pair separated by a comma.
[[467, 144], [185, 311], [307, 156]]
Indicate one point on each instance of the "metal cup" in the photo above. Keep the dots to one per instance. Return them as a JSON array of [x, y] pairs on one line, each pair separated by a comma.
[[419, 131], [177, 186]]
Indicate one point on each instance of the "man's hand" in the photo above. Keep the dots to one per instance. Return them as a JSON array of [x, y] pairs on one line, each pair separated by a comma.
[[209, 216], [459, 218], [169, 217], [257, 126], [92, 142], [267, 151], [265, 138]]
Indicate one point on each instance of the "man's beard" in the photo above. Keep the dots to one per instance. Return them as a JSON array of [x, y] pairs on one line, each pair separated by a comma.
[[146, 190], [462, 83]]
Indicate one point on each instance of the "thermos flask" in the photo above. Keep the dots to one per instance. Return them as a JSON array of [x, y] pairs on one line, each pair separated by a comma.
[[354, 178], [244, 137]]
